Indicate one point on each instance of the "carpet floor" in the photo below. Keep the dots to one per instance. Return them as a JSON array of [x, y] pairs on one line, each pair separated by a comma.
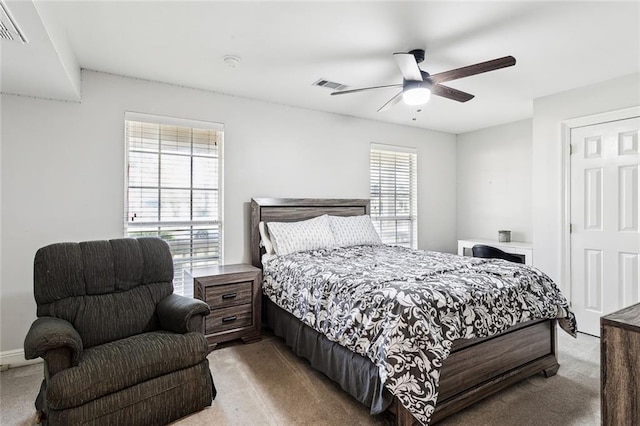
[[264, 383]]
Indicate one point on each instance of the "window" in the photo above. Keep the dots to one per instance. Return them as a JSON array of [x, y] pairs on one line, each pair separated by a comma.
[[173, 181], [394, 194]]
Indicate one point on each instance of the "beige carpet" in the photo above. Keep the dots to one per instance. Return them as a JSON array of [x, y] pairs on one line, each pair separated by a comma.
[[265, 384]]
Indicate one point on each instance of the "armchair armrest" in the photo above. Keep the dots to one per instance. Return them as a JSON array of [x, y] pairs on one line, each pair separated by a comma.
[[182, 314], [56, 341]]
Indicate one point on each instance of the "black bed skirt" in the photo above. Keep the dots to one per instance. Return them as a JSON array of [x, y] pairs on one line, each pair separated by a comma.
[[357, 375]]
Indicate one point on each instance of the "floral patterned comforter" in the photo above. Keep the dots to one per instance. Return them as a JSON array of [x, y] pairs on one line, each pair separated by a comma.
[[403, 308]]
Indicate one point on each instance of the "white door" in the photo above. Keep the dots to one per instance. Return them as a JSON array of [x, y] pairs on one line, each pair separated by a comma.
[[605, 239]]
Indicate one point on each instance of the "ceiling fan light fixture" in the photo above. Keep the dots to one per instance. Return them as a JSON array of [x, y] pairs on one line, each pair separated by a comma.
[[416, 93], [417, 85]]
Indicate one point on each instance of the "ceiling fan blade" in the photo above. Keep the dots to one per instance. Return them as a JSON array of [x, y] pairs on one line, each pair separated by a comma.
[[449, 93], [408, 65], [344, 92], [495, 64], [391, 102]]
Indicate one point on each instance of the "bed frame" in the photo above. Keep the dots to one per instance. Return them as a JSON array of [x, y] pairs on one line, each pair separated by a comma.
[[475, 368]]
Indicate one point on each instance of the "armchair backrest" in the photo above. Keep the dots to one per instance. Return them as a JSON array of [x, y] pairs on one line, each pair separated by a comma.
[[107, 290]]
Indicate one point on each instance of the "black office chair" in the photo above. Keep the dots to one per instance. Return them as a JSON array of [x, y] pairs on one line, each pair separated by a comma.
[[489, 252]]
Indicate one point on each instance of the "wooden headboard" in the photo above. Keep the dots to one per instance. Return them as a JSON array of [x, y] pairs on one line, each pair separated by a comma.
[[293, 209]]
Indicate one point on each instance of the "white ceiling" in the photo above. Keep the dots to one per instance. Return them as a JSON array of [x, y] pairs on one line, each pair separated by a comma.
[[286, 46]]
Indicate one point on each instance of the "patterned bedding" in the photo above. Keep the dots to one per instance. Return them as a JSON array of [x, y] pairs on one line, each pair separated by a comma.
[[403, 308]]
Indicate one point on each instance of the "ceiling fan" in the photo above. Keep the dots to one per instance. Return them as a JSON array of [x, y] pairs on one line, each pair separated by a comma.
[[417, 85]]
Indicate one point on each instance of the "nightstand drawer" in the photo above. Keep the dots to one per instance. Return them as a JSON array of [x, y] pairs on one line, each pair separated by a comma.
[[223, 296], [228, 318], [233, 292]]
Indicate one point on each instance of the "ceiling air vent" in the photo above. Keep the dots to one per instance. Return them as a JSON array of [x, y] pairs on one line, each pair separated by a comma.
[[329, 84], [9, 29]]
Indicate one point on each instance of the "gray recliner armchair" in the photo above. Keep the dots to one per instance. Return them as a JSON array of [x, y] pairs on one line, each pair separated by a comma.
[[118, 346]]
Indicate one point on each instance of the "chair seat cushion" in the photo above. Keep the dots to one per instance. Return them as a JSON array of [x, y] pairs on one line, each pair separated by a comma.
[[117, 365]]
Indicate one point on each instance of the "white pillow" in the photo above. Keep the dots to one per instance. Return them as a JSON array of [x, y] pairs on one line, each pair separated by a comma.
[[354, 231], [265, 239], [290, 237]]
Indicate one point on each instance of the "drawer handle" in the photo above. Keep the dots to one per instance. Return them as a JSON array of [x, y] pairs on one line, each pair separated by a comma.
[[229, 319], [229, 296]]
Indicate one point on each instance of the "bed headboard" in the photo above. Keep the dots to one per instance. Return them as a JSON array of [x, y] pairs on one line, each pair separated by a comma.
[[293, 209]]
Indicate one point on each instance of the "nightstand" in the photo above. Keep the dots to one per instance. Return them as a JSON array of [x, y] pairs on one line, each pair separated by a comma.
[[233, 293], [620, 367]]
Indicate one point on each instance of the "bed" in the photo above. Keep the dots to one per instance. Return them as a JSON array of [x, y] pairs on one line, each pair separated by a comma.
[[474, 368]]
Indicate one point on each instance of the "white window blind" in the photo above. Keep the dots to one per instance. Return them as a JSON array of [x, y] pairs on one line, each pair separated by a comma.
[[394, 194], [173, 182]]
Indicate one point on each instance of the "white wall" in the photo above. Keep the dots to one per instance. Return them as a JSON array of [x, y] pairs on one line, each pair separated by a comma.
[[494, 182], [63, 170], [548, 114]]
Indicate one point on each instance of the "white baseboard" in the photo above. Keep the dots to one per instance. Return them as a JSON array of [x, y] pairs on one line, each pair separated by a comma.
[[15, 358]]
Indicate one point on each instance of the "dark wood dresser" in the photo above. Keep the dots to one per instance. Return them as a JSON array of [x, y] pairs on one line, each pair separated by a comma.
[[233, 293], [620, 367]]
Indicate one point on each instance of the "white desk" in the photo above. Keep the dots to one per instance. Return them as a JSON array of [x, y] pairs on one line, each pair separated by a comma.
[[514, 247]]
